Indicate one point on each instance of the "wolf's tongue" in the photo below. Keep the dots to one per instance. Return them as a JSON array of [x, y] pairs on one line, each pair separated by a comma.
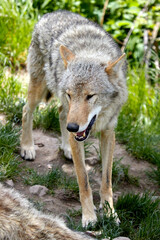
[[80, 134]]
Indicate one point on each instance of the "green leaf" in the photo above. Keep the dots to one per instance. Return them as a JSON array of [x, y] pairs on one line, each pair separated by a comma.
[[122, 23]]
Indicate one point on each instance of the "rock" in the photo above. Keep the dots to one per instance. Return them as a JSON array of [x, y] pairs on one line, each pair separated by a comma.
[[10, 183], [38, 190]]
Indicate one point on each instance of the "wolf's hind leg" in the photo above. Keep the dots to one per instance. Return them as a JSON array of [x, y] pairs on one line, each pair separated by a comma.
[[107, 149], [36, 91], [65, 146]]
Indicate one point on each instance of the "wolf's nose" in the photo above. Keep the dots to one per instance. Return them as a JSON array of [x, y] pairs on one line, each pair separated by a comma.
[[72, 127]]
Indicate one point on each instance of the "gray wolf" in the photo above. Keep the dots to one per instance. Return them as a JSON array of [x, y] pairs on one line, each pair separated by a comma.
[[78, 62], [19, 220]]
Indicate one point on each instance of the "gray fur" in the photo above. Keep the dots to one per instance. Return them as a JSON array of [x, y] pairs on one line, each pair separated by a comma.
[[94, 49], [19, 220]]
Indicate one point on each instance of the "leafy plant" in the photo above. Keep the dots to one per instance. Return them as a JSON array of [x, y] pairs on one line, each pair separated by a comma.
[[119, 18]]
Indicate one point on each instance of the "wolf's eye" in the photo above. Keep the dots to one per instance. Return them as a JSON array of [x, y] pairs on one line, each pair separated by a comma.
[[89, 96], [68, 96]]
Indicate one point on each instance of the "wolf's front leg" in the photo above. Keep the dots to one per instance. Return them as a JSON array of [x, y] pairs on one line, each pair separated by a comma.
[[36, 91], [65, 146], [27, 144], [107, 149], [88, 213]]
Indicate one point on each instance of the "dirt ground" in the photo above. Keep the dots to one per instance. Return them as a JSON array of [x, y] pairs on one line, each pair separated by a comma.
[[49, 155]]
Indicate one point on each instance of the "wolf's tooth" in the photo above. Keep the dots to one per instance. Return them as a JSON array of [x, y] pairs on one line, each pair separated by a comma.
[[84, 134]]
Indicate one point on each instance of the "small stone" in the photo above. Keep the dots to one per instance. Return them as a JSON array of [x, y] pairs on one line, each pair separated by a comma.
[[39, 145], [121, 238], [10, 183], [49, 166], [38, 190], [48, 201]]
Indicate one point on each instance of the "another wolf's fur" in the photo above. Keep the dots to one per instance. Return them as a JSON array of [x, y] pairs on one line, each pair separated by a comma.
[[19, 220], [72, 58]]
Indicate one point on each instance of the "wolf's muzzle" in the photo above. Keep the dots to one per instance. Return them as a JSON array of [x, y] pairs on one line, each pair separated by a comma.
[[81, 136]]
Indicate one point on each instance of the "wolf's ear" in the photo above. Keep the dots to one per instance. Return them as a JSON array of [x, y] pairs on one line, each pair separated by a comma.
[[66, 55], [111, 65]]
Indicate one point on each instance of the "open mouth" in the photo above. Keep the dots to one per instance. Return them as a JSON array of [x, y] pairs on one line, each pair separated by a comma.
[[81, 136]]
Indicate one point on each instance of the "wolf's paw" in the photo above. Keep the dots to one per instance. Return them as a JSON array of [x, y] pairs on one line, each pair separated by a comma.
[[89, 219], [67, 151], [111, 212], [67, 154], [117, 220], [28, 153]]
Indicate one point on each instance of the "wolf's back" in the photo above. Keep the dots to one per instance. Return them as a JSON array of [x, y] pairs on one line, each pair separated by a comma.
[[71, 29]]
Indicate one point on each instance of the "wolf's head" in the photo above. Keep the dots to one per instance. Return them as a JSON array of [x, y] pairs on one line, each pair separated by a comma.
[[88, 88]]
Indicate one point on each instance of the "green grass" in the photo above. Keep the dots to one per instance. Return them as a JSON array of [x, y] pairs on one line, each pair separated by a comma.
[[120, 173], [139, 216], [106, 226], [55, 178], [47, 118], [50, 180], [11, 103], [11, 97], [154, 174], [17, 20], [139, 121], [12, 100], [9, 140]]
